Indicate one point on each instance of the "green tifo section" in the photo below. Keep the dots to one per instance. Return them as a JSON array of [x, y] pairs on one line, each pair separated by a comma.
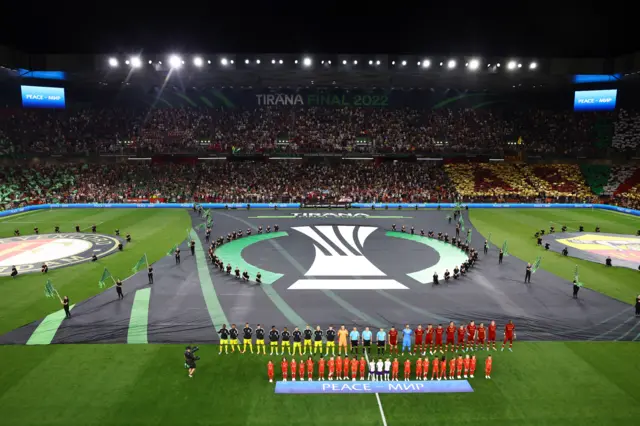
[[544, 383], [153, 231], [450, 256], [232, 253], [596, 176], [519, 225]]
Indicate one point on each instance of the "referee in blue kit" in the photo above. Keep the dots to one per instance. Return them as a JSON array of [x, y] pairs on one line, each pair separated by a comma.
[[354, 336], [366, 340]]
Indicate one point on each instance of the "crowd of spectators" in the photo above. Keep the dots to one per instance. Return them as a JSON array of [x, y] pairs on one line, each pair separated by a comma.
[[289, 129]]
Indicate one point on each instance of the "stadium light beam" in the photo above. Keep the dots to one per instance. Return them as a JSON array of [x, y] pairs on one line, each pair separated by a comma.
[[451, 64], [135, 62], [404, 63], [533, 66], [113, 62], [306, 62], [224, 61], [426, 63], [377, 62], [197, 61], [511, 65], [474, 64], [273, 61], [175, 61]]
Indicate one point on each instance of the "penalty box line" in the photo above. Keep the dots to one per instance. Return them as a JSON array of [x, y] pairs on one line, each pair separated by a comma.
[[384, 418]]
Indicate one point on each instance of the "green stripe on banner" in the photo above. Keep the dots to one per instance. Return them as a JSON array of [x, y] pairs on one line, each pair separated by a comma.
[[208, 291], [47, 329], [139, 319]]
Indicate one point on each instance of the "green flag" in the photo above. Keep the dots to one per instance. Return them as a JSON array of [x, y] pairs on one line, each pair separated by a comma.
[[576, 277], [505, 248], [105, 276], [172, 250], [200, 227], [469, 236], [448, 218], [49, 290], [142, 262], [489, 241], [536, 264], [209, 222], [188, 234]]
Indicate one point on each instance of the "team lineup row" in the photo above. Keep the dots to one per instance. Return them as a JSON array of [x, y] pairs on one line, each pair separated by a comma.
[[469, 337], [459, 367]]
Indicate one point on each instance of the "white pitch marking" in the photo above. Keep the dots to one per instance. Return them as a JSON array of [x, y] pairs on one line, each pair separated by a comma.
[[384, 418]]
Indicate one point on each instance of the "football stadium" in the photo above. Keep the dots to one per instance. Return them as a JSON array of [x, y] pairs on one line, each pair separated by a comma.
[[175, 252]]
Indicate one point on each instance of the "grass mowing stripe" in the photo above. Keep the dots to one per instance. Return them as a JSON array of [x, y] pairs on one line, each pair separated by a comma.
[[139, 319], [208, 291], [47, 329]]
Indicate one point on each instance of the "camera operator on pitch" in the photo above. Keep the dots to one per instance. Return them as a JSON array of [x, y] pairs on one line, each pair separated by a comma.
[[190, 359]]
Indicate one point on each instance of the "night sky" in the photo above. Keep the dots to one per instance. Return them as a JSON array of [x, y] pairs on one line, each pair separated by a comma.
[[531, 29]]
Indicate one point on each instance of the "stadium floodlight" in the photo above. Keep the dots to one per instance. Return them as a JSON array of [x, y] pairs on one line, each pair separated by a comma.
[[329, 62], [280, 61], [344, 62], [404, 63], [451, 64], [511, 65], [197, 61], [307, 62], [258, 61], [224, 61], [393, 62], [135, 62], [533, 66], [113, 62], [498, 64], [295, 62], [519, 65], [209, 62], [377, 62], [273, 61], [426, 63], [231, 62], [150, 62], [474, 64], [355, 62], [246, 61], [370, 62], [175, 61]]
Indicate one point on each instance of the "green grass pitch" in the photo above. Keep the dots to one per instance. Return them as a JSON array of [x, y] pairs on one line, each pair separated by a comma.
[[543, 383]]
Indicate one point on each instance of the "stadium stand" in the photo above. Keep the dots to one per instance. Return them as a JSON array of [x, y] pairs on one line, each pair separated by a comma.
[[627, 131]]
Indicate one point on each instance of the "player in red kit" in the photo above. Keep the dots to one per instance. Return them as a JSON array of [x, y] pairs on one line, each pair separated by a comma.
[[472, 366], [509, 334], [443, 368], [270, 371], [461, 332], [452, 368], [459, 364], [331, 365], [482, 334], [419, 369], [487, 367], [435, 368], [467, 363], [471, 336], [407, 370], [294, 370], [425, 369], [439, 333], [493, 328], [321, 364], [395, 366], [428, 341], [393, 340], [310, 369], [363, 367], [347, 364], [301, 369], [285, 369], [419, 333], [338, 368], [354, 369], [451, 332]]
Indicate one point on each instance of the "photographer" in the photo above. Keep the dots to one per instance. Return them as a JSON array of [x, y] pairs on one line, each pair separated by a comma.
[[190, 359]]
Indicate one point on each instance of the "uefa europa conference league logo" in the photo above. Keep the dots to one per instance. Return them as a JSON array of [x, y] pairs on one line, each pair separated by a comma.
[[339, 263]]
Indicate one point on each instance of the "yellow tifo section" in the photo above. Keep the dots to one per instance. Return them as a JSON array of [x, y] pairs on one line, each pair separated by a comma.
[[504, 179]]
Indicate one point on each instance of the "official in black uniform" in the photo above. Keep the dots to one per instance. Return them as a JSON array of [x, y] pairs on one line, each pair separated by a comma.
[[77, 228], [539, 241], [207, 234], [119, 289], [597, 229], [245, 276], [14, 272], [458, 231], [117, 232], [456, 273], [276, 228], [128, 237], [564, 228], [413, 230], [150, 274], [565, 251], [16, 233], [546, 246], [93, 228], [527, 274], [66, 306], [500, 256], [190, 361], [94, 258], [607, 262], [44, 269], [229, 269], [192, 246], [435, 278], [258, 278], [120, 246], [224, 339], [486, 246], [36, 230], [447, 275], [581, 228], [177, 255], [56, 229], [237, 271]]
